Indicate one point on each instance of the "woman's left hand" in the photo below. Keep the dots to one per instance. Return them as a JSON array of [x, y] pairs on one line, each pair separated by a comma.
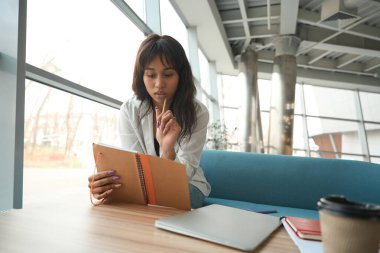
[[167, 132]]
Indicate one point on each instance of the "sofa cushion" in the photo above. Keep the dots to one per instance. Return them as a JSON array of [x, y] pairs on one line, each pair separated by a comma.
[[281, 210]]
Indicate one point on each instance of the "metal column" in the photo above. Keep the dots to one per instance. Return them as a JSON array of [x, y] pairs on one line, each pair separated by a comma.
[[250, 128], [283, 95]]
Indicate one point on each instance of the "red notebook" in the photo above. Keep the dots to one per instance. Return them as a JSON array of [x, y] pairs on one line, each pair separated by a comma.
[[305, 228]]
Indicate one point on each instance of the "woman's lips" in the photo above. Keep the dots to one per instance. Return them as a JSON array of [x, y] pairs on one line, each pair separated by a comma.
[[160, 94]]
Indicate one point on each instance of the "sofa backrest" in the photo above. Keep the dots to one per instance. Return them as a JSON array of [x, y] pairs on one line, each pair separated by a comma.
[[288, 180]]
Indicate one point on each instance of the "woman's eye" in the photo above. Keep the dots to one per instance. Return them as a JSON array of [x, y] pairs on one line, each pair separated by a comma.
[[168, 75], [150, 75]]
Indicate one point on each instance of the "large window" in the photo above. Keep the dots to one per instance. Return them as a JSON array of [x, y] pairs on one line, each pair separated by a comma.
[[332, 123], [231, 90], [373, 137], [339, 123], [96, 50], [171, 24], [137, 7], [319, 101], [205, 77], [334, 138], [60, 128], [93, 44], [370, 104]]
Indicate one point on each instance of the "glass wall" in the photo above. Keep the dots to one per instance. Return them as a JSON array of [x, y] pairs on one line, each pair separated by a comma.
[[370, 102], [204, 75], [231, 103], [332, 123], [97, 51], [319, 101], [334, 137], [137, 7], [60, 128], [171, 24]]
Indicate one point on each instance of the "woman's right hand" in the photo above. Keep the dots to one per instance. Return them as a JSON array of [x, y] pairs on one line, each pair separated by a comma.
[[102, 183]]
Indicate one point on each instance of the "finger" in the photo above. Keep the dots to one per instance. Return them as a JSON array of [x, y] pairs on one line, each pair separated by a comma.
[[168, 115], [101, 174], [102, 189], [164, 106], [171, 124], [160, 113], [158, 117], [103, 195], [104, 181]]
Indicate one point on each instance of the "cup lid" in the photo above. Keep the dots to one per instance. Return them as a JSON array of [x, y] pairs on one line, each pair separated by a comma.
[[339, 205]]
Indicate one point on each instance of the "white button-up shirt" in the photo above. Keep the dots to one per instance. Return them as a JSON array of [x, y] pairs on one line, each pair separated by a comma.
[[138, 136]]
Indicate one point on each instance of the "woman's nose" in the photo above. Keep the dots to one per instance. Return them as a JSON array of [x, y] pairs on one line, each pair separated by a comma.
[[159, 82]]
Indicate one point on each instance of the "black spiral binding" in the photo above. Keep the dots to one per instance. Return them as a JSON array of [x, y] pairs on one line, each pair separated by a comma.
[[141, 176]]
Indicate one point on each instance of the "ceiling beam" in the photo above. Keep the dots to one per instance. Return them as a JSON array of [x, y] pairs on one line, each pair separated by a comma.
[[243, 11], [316, 34], [361, 30], [253, 15], [289, 14], [346, 49], [209, 28], [372, 64], [323, 64], [311, 3], [373, 14], [256, 32], [347, 59], [213, 26], [318, 56], [338, 80], [326, 79]]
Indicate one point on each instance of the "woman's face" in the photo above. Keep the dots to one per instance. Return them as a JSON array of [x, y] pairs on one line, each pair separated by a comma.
[[160, 81]]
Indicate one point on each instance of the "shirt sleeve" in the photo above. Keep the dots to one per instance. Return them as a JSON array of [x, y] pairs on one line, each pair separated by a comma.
[[128, 128]]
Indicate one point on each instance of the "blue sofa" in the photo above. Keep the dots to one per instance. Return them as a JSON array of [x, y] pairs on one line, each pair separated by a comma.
[[290, 185]]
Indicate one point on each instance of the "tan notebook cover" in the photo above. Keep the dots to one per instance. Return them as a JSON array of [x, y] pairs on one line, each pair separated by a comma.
[[145, 179]]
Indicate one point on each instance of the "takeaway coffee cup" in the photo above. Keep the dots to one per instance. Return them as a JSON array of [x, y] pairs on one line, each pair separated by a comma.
[[348, 226]]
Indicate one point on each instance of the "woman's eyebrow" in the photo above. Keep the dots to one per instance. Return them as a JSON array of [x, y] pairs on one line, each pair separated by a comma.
[[169, 68], [152, 68]]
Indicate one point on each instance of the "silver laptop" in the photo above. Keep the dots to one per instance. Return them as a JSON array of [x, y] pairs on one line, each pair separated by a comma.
[[229, 226]]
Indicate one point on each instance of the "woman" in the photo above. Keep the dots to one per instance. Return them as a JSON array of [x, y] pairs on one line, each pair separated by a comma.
[[163, 118]]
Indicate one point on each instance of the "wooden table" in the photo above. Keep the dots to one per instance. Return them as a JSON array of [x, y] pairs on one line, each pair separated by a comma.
[[65, 221]]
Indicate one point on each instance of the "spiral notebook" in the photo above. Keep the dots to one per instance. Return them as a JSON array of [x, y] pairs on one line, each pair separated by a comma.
[[145, 179]]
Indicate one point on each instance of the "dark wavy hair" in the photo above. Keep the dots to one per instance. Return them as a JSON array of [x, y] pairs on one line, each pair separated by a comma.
[[171, 53]]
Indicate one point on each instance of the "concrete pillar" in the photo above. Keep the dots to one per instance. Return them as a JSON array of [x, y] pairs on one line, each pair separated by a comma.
[[283, 95], [248, 129]]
